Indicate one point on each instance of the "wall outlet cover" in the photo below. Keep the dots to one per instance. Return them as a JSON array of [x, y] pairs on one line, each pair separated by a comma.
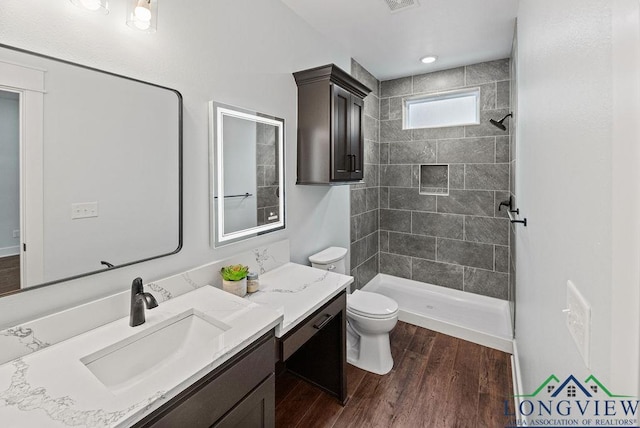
[[84, 210], [579, 320]]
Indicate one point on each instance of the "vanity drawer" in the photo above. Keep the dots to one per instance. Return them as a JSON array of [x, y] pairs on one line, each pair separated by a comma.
[[207, 400], [293, 340]]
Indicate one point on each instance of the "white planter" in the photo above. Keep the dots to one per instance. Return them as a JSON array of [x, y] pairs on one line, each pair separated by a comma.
[[239, 288]]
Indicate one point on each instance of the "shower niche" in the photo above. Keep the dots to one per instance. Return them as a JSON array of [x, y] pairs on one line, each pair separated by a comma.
[[434, 179]]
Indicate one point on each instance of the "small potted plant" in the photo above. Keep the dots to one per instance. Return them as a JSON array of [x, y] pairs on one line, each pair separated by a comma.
[[234, 279]]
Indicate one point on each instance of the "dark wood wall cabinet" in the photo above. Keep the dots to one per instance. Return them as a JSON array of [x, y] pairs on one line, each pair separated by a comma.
[[330, 126], [240, 393]]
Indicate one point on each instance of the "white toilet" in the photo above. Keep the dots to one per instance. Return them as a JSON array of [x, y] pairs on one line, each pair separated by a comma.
[[370, 318]]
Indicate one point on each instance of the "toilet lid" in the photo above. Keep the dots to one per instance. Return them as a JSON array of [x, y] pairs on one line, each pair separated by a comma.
[[330, 255], [371, 305]]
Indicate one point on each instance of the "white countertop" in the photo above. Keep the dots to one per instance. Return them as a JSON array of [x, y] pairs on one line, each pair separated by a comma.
[[53, 388], [297, 291]]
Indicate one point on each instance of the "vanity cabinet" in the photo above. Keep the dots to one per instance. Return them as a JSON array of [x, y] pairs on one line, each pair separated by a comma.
[[316, 349], [330, 126], [240, 393]]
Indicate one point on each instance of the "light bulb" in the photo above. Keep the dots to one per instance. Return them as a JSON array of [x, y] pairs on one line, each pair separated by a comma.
[[428, 59], [143, 11], [142, 25]]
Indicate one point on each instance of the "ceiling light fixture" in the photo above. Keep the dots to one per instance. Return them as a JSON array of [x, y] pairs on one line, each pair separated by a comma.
[[142, 15], [428, 59], [98, 6]]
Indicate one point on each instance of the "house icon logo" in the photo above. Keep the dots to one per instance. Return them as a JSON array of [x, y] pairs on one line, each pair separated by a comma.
[[571, 402]]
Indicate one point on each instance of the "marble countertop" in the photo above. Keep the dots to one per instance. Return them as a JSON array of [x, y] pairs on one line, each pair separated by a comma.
[[53, 388], [296, 291]]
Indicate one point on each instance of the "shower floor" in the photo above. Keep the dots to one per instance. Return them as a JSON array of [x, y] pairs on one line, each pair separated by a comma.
[[478, 319]]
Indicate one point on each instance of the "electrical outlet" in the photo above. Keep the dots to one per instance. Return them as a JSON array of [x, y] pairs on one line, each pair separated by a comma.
[[84, 210], [16, 233], [579, 320]]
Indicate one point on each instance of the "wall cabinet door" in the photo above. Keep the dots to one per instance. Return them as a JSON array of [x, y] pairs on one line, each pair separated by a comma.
[[357, 138], [341, 134]]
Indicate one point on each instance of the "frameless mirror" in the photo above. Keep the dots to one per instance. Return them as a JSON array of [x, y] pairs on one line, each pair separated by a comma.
[[247, 173], [91, 170]]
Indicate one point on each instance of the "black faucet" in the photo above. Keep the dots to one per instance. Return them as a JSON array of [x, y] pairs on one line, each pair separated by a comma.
[[140, 299]]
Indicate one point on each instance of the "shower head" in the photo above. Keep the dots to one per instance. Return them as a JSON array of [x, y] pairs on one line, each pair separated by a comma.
[[499, 123]]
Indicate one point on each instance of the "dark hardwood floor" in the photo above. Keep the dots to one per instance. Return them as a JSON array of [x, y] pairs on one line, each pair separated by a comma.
[[9, 274], [437, 381]]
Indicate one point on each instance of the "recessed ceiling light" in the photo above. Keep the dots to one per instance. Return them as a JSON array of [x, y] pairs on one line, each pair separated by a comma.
[[428, 59]]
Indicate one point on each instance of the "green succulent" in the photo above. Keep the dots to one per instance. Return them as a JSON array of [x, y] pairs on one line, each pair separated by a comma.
[[234, 272]]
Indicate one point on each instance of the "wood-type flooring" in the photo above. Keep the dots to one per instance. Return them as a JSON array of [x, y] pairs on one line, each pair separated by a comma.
[[437, 381], [9, 274]]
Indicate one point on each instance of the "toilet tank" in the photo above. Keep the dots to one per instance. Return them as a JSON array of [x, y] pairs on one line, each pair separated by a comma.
[[332, 259]]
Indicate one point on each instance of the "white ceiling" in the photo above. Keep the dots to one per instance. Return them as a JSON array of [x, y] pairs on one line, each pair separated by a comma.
[[389, 45]]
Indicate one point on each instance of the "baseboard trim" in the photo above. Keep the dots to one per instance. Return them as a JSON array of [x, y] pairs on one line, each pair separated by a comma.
[[9, 251], [518, 392]]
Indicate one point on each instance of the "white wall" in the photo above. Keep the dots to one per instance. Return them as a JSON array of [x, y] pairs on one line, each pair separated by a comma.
[[9, 174], [577, 186], [90, 122], [625, 201], [238, 52]]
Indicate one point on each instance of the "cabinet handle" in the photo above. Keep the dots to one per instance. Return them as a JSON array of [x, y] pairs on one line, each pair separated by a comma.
[[350, 163], [328, 317], [353, 169]]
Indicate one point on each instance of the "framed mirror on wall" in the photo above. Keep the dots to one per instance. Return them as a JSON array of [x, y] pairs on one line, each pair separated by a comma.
[[91, 170], [246, 173]]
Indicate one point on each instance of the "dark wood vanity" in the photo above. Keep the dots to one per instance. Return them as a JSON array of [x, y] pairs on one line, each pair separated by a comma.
[[316, 349], [241, 392], [330, 128]]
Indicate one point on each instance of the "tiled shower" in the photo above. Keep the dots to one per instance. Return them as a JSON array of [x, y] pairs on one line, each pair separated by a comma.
[[461, 240]]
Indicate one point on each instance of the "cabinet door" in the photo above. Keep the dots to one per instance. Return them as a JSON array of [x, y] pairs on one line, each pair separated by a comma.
[[257, 410], [356, 147], [341, 162], [211, 397]]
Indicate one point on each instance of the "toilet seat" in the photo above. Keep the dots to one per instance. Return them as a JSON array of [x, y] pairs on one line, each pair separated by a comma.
[[371, 305]]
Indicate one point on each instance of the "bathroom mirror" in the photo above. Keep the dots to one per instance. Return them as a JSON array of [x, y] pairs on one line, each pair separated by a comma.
[[247, 173], [94, 162]]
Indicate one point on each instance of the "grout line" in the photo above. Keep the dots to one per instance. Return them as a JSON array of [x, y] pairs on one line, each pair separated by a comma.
[[464, 228], [494, 258]]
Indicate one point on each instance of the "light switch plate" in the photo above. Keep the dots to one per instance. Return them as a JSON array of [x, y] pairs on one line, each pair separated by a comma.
[[84, 210], [579, 320]]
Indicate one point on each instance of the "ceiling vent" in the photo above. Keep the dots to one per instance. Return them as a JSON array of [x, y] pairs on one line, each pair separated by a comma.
[[400, 5]]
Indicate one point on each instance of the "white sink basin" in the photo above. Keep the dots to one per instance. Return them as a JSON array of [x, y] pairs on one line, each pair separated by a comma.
[[167, 350]]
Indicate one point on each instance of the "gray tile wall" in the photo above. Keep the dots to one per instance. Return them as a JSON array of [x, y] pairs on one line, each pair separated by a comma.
[[365, 206], [461, 240], [266, 174]]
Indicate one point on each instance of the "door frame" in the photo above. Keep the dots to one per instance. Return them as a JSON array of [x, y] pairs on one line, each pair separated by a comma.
[[28, 83]]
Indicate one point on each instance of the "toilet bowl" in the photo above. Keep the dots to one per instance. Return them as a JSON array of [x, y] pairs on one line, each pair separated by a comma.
[[370, 319]]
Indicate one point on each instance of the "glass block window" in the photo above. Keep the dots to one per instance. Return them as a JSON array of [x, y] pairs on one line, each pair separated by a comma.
[[454, 108]]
